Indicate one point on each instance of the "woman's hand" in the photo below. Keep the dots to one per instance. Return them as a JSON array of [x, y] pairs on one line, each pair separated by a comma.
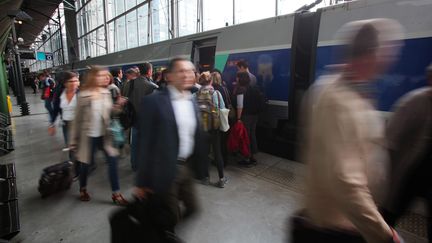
[[51, 130]]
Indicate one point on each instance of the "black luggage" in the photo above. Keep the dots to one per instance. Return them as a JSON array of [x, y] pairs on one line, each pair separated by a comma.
[[56, 178], [9, 219], [147, 221], [9, 216]]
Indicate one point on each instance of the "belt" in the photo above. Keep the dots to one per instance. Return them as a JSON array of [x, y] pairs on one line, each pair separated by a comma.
[[182, 161]]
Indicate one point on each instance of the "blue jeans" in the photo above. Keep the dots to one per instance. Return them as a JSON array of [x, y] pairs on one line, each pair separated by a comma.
[[134, 144], [97, 144], [50, 109]]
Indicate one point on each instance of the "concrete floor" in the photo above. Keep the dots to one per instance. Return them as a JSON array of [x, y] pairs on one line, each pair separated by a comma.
[[253, 207]]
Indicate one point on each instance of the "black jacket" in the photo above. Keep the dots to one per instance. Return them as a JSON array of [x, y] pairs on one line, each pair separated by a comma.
[[158, 144]]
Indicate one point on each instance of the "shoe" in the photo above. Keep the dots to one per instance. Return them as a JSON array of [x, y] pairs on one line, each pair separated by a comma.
[[221, 183], [84, 196], [205, 181], [246, 163], [118, 199], [253, 160]]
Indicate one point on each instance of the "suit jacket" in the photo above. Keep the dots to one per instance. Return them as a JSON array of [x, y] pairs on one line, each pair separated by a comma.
[[340, 137], [158, 144]]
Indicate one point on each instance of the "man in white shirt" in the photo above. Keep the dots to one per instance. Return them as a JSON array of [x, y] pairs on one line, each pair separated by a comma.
[[168, 142]]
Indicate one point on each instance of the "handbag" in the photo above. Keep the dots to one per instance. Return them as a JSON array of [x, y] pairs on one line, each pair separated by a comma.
[[224, 123], [117, 133]]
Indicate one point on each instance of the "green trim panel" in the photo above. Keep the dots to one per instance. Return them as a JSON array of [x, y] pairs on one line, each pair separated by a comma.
[[220, 61]]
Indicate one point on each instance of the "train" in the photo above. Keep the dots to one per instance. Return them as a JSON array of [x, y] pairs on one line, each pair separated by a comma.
[[287, 53]]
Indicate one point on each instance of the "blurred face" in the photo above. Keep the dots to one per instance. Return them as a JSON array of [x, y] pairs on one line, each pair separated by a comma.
[[72, 84], [182, 76], [241, 69], [120, 74], [102, 79], [150, 72]]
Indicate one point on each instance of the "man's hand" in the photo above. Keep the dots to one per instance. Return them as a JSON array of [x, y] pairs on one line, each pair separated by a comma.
[[141, 192]]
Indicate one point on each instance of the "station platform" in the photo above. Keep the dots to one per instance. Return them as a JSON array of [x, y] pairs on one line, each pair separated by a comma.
[[253, 207]]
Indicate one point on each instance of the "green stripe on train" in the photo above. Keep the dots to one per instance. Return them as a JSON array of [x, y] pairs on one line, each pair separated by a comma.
[[220, 61]]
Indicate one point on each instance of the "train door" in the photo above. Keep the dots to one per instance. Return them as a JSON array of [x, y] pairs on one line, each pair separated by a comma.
[[203, 54], [303, 55]]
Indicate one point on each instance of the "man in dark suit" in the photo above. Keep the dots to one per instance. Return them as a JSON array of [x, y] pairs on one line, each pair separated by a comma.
[[137, 89], [169, 142]]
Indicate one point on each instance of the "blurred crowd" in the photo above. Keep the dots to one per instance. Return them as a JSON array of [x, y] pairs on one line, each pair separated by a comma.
[[362, 172]]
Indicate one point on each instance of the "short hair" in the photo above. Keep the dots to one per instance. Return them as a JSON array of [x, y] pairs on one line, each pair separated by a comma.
[[243, 78], [145, 68], [216, 78], [65, 76], [173, 62], [242, 64], [364, 42], [205, 78], [41, 74], [115, 72], [131, 71]]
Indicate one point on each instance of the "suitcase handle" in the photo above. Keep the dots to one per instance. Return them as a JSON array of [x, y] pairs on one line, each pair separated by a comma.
[[1, 179]]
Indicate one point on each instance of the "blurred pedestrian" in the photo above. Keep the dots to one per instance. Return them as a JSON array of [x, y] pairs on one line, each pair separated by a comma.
[[90, 131], [342, 133], [409, 139], [170, 143]]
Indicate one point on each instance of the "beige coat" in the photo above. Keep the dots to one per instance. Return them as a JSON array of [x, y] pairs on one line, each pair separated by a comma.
[[81, 125], [342, 133]]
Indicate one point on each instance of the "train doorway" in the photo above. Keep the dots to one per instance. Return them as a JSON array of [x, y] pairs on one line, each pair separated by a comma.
[[203, 54]]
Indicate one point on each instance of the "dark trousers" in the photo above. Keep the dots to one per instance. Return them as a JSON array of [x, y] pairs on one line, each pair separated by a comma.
[[97, 144], [183, 191], [50, 109], [250, 122], [415, 183], [214, 143], [224, 146]]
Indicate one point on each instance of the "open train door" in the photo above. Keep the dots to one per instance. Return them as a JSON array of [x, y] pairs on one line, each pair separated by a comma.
[[303, 55], [203, 54]]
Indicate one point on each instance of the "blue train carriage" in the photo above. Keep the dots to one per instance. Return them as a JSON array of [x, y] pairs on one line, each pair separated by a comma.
[[408, 72]]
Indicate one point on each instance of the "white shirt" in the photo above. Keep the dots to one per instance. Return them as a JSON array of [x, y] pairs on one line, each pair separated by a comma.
[[68, 108], [185, 117], [96, 128]]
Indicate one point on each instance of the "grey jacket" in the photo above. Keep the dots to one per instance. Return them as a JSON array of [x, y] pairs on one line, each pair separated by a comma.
[[409, 139], [138, 88]]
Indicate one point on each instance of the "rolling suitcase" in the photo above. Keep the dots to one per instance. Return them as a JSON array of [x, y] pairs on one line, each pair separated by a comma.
[[9, 219], [56, 178], [9, 216]]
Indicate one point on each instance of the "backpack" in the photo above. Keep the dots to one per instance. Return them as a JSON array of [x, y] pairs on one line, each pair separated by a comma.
[[208, 110]]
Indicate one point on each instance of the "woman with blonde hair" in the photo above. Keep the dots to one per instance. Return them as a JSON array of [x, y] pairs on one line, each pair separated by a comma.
[[90, 130]]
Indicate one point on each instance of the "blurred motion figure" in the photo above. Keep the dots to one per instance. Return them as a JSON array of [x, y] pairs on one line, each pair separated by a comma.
[[342, 130]]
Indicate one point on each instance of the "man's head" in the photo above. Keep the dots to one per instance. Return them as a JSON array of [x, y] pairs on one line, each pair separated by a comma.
[[242, 66], [146, 69], [429, 74], [41, 76], [181, 73], [131, 73], [117, 73], [370, 46]]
